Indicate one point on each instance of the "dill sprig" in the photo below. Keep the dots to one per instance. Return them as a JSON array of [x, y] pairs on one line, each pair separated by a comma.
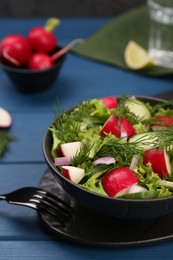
[[162, 139], [160, 105], [123, 111], [118, 148], [82, 157], [5, 138], [67, 125]]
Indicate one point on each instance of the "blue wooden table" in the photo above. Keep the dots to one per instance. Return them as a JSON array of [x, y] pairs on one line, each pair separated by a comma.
[[22, 236]]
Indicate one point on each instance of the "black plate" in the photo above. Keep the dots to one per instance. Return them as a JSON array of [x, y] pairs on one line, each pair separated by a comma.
[[90, 228]]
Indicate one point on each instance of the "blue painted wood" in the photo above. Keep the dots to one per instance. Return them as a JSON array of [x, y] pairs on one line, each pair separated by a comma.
[[19, 222], [68, 28], [28, 130], [82, 79], [53, 250]]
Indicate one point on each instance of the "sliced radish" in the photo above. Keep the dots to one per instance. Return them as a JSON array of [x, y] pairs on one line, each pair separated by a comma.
[[110, 102], [161, 122], [104, 160], [72, 173], [117, 181], [70, 149], [123, 135], [62, 161], [134, 162], [5, 118], [159, 160], [136, 188], [118, 127]]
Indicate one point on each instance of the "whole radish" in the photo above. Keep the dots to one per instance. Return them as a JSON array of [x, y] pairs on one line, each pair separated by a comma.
[[42, 39], [40, 60], [160, 122], [15, 50]]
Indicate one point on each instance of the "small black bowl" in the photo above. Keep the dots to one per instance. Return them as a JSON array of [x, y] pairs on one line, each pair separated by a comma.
[[114, 207], [33, 81]]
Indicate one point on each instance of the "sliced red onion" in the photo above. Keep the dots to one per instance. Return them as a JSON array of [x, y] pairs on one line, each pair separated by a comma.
[[104, 160], [62, 161]]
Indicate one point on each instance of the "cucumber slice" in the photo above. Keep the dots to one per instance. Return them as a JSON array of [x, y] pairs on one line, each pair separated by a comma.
[[138, 108], [144, 140]]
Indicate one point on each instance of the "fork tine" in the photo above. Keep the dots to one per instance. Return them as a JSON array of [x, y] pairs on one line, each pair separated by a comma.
[[56, 203], [55, 209], [56, 206], [56, 200], [49, 212]]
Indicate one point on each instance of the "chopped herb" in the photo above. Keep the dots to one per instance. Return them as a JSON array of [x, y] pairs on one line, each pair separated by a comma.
[[5, 138]]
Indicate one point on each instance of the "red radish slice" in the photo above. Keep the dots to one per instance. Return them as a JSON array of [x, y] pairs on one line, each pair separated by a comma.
[[161, 122], [15, 49], [118, 127], [72, 173], [159, 160], [5, 118], [59, 161], [104, 160], [117, 181], [110, 102], [70, 149]]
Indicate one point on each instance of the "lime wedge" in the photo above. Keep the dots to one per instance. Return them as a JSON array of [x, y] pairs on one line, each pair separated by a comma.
[[136, 57]]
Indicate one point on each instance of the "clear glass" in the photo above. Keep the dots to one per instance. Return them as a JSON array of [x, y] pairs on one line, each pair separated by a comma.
[[160, 45]]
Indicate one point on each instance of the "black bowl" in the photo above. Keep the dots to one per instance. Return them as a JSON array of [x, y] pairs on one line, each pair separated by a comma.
[[33, 81], [114, 207]]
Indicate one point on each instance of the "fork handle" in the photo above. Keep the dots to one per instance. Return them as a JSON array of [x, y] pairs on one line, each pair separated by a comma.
[[2, 197]]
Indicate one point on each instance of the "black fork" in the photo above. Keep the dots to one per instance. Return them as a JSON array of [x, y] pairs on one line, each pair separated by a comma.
[[42, 201]]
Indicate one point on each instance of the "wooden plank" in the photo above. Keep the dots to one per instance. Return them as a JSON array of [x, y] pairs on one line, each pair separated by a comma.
[[17, 222]]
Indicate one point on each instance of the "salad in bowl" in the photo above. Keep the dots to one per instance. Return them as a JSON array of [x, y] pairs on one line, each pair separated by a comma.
[[118, 150]]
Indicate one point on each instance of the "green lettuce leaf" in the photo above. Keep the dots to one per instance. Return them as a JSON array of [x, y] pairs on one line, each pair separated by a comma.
[[94, 184]]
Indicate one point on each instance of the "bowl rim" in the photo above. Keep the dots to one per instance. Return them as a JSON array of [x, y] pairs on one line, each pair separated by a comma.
[[125, 200]]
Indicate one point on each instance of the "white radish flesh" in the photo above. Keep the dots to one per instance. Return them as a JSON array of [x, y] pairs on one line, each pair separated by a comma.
[[70, 149], [136, 188], [5, 118], [75, 174]]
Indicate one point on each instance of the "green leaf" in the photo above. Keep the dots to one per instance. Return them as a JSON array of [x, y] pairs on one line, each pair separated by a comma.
[[94, 183], [5, 138]]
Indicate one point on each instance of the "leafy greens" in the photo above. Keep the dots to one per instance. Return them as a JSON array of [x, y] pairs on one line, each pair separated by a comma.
[[84, 123]]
